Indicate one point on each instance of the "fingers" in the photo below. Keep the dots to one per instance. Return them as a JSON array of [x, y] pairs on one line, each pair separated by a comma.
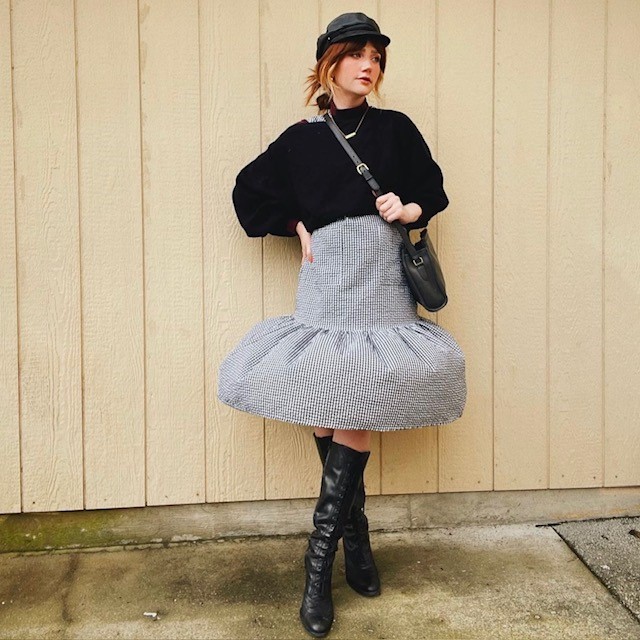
[[386, 199], [306, 249], [388, 203], [389, 206], [305, 242], [392, 213]]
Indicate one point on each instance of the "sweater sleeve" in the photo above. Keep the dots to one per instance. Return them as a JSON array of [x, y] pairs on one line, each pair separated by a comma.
[[262, 198], [423, 180]]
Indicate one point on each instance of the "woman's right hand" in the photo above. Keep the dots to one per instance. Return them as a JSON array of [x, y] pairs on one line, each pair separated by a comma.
[[305, 242]]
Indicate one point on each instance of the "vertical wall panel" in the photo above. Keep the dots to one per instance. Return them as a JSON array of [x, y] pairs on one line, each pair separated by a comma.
[[111, 251], [173, 251], [410, 458], [621, 246], [520, 321], [292, 467], [48, 254], [230, 73], [465, 135], [330, 9], [575, 241], [9, 409]]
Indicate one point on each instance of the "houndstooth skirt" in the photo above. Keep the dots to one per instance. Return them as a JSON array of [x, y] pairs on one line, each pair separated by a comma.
[[355, 354]]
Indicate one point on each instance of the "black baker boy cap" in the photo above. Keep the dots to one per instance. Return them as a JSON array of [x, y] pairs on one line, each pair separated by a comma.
[[346, 27]]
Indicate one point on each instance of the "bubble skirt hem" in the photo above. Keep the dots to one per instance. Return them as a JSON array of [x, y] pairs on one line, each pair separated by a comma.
[[355, 354]]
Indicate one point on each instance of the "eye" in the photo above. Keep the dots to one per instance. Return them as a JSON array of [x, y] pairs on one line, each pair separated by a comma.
[[376, 59], [356, 54]]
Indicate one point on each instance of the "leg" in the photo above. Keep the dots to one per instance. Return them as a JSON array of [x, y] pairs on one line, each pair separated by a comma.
[[358, 439], [342, 472], [360, 567], [321, 432]]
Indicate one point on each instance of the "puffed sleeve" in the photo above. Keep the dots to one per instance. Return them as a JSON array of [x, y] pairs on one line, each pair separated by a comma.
[[423, 181], [262, 197]]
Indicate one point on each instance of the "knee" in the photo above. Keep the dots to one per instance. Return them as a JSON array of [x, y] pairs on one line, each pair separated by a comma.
[[358, 439]]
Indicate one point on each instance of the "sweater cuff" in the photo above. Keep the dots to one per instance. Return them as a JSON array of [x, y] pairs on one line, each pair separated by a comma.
[[291, 226], [429, 209], [420, 223]]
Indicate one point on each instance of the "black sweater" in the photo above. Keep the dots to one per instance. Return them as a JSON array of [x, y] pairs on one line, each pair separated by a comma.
[[306, 175]]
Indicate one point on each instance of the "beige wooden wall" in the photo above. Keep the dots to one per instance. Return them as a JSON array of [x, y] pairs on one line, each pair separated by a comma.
[[125, 277]]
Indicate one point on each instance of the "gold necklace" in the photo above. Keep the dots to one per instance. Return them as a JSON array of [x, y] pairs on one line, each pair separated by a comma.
[[353, 133]]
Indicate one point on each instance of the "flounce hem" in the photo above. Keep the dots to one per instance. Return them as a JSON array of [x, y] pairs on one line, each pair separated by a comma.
[[400, 376], [332, 424]]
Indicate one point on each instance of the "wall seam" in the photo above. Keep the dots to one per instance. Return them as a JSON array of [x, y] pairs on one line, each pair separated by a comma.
[[547, 249], [202, 263], [15, 230], [493, 254], [82, 371], [144, 271], [603, 424]]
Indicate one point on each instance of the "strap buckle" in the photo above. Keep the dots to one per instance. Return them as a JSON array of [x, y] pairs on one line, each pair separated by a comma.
[[418, 261], [361, 167]]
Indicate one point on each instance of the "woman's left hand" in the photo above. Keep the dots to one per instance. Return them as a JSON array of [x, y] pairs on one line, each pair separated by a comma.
[[390, 207]]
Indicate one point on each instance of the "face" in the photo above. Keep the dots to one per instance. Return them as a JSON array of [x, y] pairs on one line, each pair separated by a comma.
[[357, 73]]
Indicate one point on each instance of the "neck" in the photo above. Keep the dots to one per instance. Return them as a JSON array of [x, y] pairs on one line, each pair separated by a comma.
[[347, 102]]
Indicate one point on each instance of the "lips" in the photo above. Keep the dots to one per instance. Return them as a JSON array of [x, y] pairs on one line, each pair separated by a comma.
[[368, 80]]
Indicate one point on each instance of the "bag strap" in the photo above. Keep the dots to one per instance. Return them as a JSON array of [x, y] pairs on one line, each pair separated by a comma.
[[363, 170]]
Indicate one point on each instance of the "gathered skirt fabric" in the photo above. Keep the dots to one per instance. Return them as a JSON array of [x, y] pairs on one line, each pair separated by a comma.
[[355, 354]]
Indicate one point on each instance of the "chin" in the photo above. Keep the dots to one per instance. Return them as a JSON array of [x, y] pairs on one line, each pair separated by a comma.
[[363, 91]]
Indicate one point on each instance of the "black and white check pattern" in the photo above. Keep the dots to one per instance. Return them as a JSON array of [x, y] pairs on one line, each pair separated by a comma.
[[354, 354]]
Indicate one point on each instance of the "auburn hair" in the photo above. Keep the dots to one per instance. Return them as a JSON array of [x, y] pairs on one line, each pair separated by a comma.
[[320, 76]]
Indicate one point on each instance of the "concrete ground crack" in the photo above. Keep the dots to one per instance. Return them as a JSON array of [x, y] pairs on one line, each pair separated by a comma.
[[67, 582]]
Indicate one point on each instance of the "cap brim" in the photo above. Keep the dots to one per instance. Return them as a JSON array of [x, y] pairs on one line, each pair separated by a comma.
[[358, 34]]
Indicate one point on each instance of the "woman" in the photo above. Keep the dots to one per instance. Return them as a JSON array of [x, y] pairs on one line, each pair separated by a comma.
[[355, 357]]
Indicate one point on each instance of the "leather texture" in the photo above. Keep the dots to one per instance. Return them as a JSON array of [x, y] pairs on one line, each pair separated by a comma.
[[424, 274], [341, 473], [360, 567], [347, 26]]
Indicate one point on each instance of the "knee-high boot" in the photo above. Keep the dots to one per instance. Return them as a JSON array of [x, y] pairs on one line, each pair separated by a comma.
[[360, 568], [341, 472]]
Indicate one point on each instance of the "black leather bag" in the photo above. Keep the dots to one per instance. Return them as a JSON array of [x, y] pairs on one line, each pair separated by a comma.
[[422, 270], [419, 260]]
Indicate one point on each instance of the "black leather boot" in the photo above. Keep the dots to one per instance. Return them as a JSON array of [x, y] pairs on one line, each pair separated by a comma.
[[341, 472], [360, 568]]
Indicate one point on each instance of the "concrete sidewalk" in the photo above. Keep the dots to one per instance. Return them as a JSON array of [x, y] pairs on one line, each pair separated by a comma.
[[509, 581]]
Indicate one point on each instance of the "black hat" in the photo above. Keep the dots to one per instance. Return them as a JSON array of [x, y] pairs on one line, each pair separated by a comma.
[[346, 27]]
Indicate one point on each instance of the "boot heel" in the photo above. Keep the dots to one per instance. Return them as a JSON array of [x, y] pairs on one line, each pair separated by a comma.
[[367, 593]]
